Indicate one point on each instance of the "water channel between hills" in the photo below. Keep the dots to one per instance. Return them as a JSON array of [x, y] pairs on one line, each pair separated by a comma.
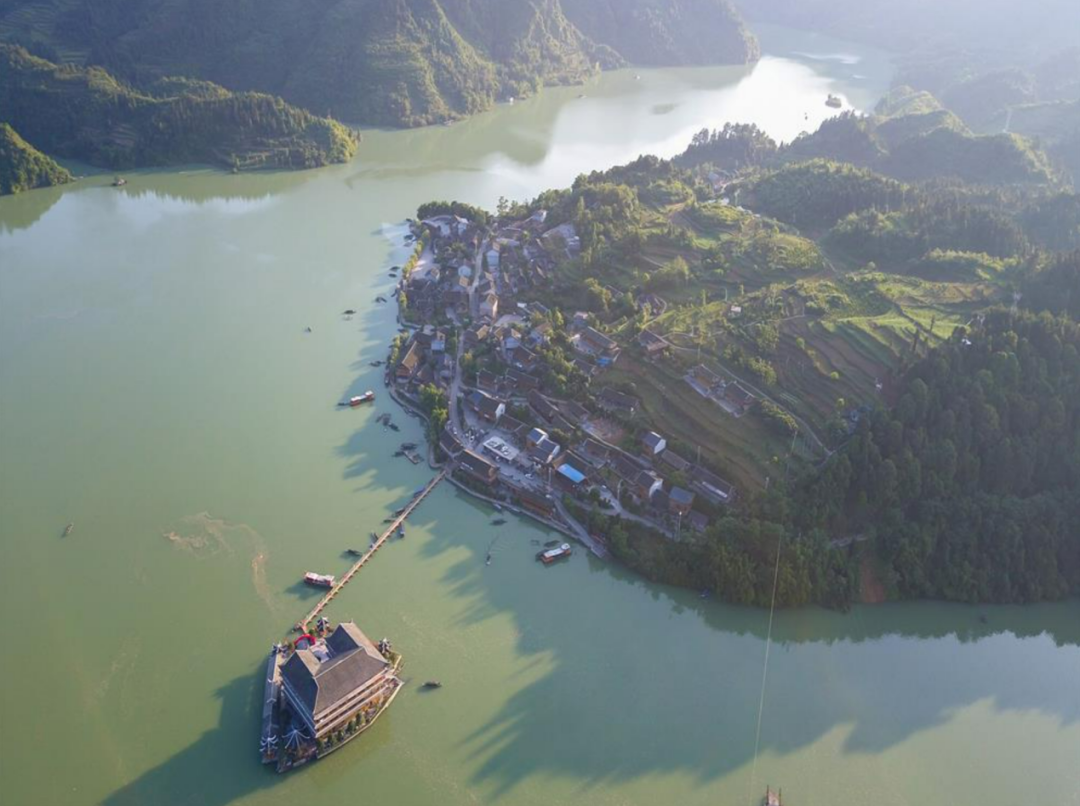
[[157, 389]]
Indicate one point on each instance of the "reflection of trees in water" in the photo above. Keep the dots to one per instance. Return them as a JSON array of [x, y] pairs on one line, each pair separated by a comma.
[[880, 674], [24, 209], [201, 186]]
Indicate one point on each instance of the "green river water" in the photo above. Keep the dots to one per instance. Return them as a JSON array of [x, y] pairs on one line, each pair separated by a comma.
[[157, 389]]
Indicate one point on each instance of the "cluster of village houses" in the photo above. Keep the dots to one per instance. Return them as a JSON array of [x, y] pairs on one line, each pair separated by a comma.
[[516, 459]]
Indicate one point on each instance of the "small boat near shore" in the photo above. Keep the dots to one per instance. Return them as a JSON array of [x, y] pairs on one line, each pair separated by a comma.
[[68, 528], [358, 400], [552, 555], [833, 102], [431, 684], [119, 182], [498, 522], [319, 580], [354, 552]]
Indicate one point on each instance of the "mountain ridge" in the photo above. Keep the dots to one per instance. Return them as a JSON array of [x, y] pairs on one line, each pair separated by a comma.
[[379, 62]]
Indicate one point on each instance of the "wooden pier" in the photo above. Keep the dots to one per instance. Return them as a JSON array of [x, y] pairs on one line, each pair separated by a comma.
[[375, 546]]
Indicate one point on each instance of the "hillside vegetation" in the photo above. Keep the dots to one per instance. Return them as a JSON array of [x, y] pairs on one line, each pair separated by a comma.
[[87, 114], [900, 296], [379, 62], [912, 142], [23, 167]]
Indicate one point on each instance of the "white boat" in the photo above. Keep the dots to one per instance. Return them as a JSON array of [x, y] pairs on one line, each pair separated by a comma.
[[557, 553], [319, 580]]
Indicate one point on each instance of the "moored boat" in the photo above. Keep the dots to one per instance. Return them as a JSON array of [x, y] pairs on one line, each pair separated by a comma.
[[833, 102], [319, 580], [551, 555], [432, 684], [367, 397]]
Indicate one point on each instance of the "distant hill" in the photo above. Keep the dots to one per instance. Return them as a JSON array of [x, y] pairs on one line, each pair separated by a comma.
[[379, 62], [23, 167], [87, 114], [665, 32], [911, 138]]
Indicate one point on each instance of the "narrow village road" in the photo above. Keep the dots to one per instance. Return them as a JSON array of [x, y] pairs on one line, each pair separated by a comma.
[[594, 545]]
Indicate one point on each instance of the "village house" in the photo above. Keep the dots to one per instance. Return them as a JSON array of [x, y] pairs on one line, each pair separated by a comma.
[[540, 334], [569, 478], [680, 501], [476, 335], [645, 484], [595, 452], [623, 466], [329, 683], [521, 383], [592, 342], [477, 467], [487, 381], [574, 413], [544, 452], [536, 502], [617, 402], [408, 365], [712, 486], [652, 344], [654, 444], [703, 380], [515, 429], [542, 406], [739, 399], [580, 320], [489, 307], [651, 304], [450, 444], [486, 406], [698, 521], [674, 461]]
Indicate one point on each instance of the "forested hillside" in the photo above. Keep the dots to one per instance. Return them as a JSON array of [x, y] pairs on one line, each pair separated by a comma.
[[887, 286], [87, 114], [23, 167], [970, 484], [386, 62], [664, 32], [915, 142]]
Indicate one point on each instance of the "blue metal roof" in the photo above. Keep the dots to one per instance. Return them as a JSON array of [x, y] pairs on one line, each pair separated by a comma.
[[571, 474]]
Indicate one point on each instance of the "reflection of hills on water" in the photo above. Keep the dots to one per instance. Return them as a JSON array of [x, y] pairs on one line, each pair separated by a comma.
[[200, 186], [877, 675], [25, 209]]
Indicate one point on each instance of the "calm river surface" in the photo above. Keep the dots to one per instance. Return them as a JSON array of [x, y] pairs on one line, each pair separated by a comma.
[[157, 389]]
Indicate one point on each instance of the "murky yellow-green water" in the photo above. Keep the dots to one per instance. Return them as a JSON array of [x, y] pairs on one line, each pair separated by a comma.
[[157, 389]]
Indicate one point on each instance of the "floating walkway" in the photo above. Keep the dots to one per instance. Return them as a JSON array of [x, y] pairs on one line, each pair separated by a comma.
[[375, 546]]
